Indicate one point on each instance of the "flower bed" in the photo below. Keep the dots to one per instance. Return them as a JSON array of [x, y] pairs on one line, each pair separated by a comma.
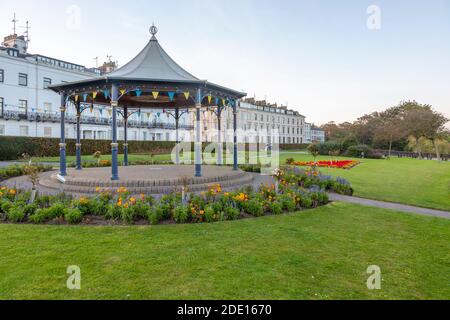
[[120, 207], [311, 178], [339, 164]]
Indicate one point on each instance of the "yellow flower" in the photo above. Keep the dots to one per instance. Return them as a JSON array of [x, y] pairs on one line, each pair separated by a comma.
[[133, 200], [202, 212], [98, 189], [12, 191]]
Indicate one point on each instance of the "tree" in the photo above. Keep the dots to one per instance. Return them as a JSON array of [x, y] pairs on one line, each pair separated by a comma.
[[420, 145], [425, 122]]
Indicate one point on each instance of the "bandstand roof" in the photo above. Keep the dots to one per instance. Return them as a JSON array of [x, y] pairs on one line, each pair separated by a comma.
[[152, 70]]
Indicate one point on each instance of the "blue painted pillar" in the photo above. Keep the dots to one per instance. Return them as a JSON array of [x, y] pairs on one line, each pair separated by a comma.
[[114, 144], [78, 143], [219, 137], [177, 136], [235, 140], [198, 135], [125, 136], [62, 145]]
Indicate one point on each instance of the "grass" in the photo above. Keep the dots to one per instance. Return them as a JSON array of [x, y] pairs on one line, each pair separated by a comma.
[[410, 181], [90, 158], [317, 254]]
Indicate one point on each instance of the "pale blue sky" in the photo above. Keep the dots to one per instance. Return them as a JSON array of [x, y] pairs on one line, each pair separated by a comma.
[[319, 56]]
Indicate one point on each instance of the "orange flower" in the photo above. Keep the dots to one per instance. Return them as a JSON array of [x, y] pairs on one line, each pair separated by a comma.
[[133, 200], [12, 191]]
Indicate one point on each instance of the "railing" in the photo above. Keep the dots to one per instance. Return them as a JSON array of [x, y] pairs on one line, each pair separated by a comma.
[[55, 117], [413, 155]]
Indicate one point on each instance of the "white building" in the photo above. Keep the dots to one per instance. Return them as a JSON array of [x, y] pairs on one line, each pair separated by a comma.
[[28, 108], [317, 134], [258, 121]]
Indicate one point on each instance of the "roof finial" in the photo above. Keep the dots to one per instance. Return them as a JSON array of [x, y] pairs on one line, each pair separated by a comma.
[[153, 29]]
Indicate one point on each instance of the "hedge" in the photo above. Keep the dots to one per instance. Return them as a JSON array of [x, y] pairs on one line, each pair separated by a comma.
[[12, 148]]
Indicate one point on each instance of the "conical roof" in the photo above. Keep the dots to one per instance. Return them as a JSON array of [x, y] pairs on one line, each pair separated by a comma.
[[153, 63]]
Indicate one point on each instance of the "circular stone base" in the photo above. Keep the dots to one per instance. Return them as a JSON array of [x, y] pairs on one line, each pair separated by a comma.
[[148, 179]]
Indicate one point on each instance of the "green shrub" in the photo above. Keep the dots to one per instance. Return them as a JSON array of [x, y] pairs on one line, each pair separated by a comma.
[[290, 161], [73, 216], [128, 215], [330, 147], [275, 207], [181, 214], [306, 201], [232, 213], [287, 202], [155, 215], [254, 207], [6, 206], [356, 151], [16, 214], [114, 212], [57, 210]]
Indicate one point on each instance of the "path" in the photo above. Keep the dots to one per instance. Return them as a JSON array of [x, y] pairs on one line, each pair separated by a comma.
[[391, 205]]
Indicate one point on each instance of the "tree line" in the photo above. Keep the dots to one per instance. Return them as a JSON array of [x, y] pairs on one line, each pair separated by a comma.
[[409, 126]]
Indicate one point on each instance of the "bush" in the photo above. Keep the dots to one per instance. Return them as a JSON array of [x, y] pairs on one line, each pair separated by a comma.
[[287, 202], [232, 213], [275, 208], [254, 207], [290, 161], [181, 214], [16, 214], [73, 216], [356, 151], [155, 215], [128, 215], [330, 147]]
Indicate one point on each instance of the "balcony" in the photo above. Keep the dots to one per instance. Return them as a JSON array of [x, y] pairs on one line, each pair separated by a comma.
[[55, 117]]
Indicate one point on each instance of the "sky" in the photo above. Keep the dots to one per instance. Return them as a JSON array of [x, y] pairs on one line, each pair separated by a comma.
[[329, 60]]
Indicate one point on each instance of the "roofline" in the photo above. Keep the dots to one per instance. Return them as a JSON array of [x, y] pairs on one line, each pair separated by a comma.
[[107, 79]]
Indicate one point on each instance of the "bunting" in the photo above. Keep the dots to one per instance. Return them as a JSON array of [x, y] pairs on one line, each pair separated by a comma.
[[94, 94], [122, 91], [85, 97], [187, 94], [76, 98], [217, 101], [138, 92], [209, 99], [171, 95], [106, 93], [110, 112], [155, 95]]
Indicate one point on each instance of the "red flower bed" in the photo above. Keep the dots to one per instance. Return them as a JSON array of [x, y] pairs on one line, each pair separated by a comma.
[[340, 164]]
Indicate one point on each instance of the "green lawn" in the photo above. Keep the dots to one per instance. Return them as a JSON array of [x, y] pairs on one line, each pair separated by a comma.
[[317, 254], [131, 157], [416, 182]]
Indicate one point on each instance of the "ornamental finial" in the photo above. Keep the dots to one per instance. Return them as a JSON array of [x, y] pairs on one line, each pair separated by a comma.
[[153, 29]]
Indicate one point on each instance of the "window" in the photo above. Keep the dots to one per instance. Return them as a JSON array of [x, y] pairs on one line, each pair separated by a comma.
[[2, 75], [47, 82], [23, 131], [2, 129], [1, 106], [23, 106], [47, 132], [23, 79]]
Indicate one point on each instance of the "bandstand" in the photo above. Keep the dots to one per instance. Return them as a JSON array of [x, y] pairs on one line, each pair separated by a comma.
[[150, 81]]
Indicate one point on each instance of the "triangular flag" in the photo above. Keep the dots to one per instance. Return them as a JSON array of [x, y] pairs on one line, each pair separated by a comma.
[[106, 93], [85, 97], [101, 111], [209, 99], [122, 91], [94, 94], [138, 92], [158, 114], [187, 94], [171, 95], [155, 95], [217, 101], [149, 115], [76, 98], [223, 102], [109, 112]]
